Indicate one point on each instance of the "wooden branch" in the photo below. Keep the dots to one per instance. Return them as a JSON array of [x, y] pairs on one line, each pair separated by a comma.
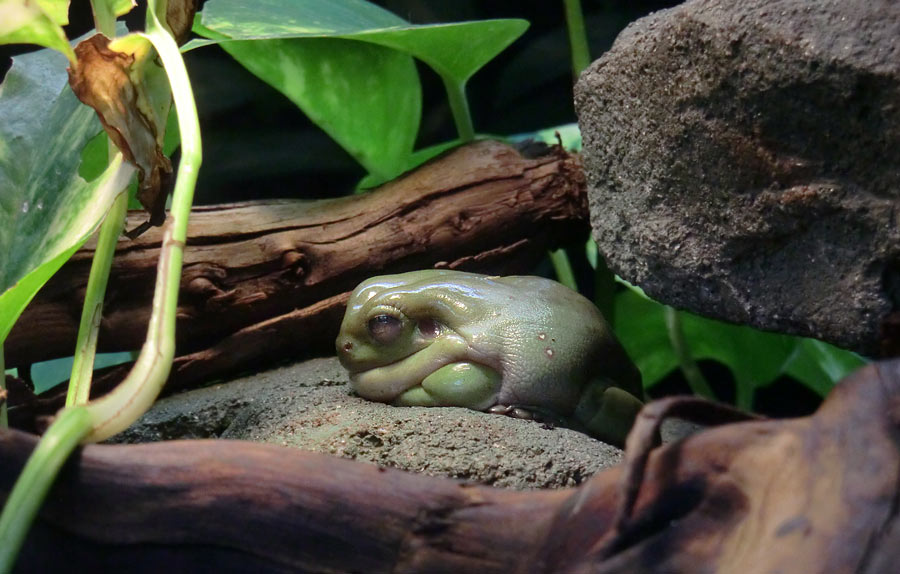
[[817, 495], [480, 207]]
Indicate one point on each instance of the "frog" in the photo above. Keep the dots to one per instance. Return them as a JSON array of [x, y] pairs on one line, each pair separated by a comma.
[[519, 345]]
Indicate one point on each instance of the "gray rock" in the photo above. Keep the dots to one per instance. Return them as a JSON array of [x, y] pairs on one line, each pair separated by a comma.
[[743, 161], [309, 406]]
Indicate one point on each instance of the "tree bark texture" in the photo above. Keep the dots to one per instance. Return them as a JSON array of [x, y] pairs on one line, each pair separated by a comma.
[[482, 207], [814, 495]]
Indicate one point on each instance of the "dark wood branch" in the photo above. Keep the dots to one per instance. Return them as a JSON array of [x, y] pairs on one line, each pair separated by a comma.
[[817, 495], [481, 207]]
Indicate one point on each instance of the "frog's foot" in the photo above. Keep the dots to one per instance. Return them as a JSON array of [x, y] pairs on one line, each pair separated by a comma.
[[463, 384], [511, 411], [539, 415], [607, 412]]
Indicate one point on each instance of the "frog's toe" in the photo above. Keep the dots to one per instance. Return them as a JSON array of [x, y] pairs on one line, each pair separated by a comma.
[[511, 411], [536, 414]]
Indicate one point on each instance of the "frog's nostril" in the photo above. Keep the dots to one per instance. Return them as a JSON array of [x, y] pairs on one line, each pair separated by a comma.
[[347, 347]]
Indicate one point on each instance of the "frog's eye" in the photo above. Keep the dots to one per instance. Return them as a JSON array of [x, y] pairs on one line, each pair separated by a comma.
[[385, 329], [429, 328]]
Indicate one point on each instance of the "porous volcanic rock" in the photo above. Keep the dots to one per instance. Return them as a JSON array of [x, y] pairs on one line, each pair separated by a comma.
[[743, 160]]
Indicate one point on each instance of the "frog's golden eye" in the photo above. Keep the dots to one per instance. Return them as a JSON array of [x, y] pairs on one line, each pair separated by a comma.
[[385, 329]]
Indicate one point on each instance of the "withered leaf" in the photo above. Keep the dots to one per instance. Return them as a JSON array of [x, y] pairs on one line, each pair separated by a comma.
[[180, 18], [103, 79]]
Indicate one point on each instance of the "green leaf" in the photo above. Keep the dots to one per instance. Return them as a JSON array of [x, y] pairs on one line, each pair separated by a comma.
[[94, 157], [24, 22], [819, 365], [48, 374], [417, 158], [756, 358], [293, 18], [56, 10], [367, 98], [391, 101], [641, 328], [455, 51], [46, 210]]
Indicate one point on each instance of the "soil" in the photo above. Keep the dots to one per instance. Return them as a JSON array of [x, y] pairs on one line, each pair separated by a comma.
[[310, 406]]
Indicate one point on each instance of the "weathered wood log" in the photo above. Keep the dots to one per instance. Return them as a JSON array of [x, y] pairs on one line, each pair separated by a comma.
[[814, 495], [480, 207], [256, 346]]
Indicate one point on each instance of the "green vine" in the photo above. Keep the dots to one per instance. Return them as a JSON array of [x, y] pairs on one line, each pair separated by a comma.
[[115, 411]]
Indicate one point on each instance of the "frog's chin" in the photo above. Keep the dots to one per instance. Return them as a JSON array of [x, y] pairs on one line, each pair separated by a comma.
[[375, 385], [387, 382]]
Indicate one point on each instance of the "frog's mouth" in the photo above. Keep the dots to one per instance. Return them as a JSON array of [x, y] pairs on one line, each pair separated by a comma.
[[387, 382]]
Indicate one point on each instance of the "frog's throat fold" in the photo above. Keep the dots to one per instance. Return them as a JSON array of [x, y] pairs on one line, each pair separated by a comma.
[[386, 383]]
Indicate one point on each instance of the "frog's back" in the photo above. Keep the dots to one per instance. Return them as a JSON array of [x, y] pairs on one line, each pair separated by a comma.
[[554, 342]]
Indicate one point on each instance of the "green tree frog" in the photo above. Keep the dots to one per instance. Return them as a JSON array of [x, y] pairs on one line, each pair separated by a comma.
[[516, 345]]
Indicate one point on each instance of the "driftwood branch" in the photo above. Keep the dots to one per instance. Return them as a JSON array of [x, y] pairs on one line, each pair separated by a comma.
[[480, 207], [814, 495]]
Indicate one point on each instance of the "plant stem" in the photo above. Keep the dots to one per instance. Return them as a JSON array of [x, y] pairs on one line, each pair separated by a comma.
[[104, 18], [459, 105], [115, 411], [744, 398], [4, 419], [563, 268], [36, 478], [581, 56], [689, 368], [604, 286], [92, 311]]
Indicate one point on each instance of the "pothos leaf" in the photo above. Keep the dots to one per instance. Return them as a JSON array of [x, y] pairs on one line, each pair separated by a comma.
[[756, 358], [46, 209], [357, 55]]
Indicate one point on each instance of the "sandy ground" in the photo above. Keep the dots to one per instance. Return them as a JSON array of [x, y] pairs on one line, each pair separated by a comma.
[[310, 406]]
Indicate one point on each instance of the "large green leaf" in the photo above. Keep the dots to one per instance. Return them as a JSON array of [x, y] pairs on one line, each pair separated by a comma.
[[46, 209], [293, 18], [347, 64], [457, 50], [366, 97], [755, 358]]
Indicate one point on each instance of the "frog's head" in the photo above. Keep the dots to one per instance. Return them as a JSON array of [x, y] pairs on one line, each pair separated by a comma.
[[388, 337], [377, 330]]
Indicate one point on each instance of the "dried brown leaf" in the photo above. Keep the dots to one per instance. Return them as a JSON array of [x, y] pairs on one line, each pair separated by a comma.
[[105, 80], [180, 18]]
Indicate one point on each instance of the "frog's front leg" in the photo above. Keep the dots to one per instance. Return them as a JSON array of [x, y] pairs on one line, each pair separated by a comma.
[[462, 384]]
